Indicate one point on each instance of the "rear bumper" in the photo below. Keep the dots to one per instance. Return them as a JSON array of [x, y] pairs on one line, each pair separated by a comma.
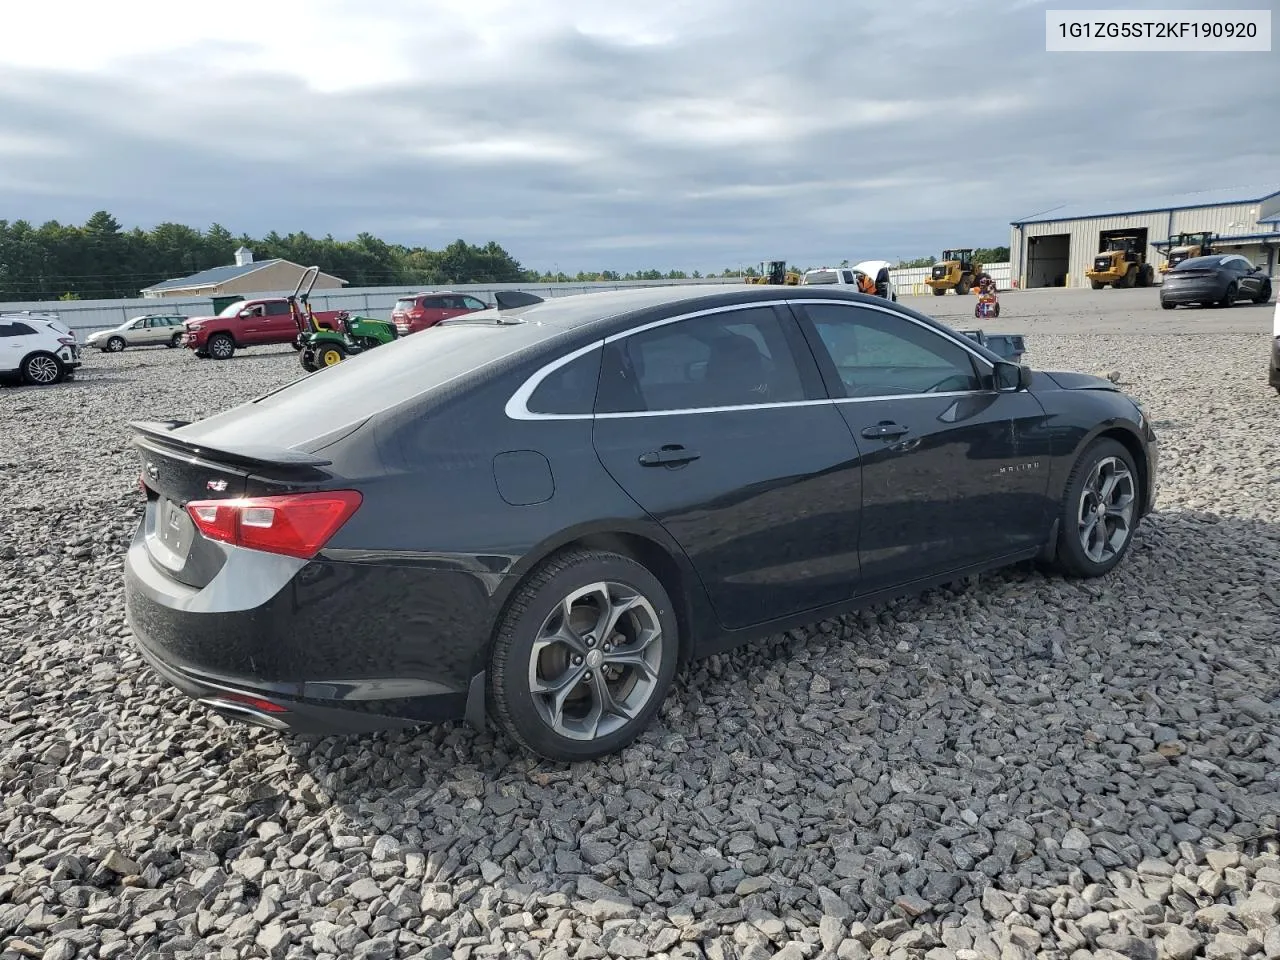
[[335, 648], [1191, 293]]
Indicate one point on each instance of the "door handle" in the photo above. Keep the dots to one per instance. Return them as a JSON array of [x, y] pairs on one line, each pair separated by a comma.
[[670, 454], [884, 429]]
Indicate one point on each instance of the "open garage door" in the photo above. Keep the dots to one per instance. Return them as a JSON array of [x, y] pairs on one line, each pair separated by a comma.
[[1047, 260]]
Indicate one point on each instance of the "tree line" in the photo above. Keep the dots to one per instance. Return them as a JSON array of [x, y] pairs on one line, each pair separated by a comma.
[[102, 261]]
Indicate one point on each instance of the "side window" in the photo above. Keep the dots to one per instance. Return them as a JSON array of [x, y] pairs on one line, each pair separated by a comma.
[[138, 324], [736, 358], [16, 329], [472, 303], [878, 354], [7, 330], [847, 276], [570, 389], [275, 309]]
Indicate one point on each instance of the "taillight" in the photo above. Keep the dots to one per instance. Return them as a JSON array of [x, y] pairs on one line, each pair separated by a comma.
[[67, 341], [296, 525]]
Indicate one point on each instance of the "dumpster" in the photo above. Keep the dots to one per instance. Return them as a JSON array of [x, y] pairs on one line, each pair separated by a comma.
[[1007, 345]]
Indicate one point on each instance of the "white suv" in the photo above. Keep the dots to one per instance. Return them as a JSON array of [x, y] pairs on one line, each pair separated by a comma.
[[39, 350]]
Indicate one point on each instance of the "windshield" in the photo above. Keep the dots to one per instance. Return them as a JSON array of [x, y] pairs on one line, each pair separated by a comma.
[[233, 309]]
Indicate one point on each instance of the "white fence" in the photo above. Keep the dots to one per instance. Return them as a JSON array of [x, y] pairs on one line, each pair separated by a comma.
[[85, 316]]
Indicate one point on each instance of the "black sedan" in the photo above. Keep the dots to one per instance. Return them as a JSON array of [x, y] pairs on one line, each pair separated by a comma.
[[1216, 280], [540, 511]]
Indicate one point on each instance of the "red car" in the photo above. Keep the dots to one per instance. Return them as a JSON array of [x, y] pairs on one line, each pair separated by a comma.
[[411, 314], [248, 323]]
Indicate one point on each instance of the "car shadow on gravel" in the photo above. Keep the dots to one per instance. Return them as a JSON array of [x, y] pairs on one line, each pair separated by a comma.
[[1029, 730]]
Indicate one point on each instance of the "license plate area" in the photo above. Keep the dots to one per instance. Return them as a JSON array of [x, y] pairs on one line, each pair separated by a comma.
[[172, 535]]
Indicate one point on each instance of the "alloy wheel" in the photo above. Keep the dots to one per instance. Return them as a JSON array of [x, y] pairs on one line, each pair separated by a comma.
[[596, 660], [220, 348], [42, 370], [1105, 515]]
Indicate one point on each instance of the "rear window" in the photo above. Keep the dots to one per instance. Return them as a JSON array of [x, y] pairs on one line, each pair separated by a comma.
[[364, 385], [404, 305], [822, 276]]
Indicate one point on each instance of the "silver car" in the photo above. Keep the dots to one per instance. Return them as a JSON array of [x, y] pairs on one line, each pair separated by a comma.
[[151, 330]]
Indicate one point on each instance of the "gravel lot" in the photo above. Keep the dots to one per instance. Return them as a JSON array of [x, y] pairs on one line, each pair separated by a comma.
[[1029, 768]]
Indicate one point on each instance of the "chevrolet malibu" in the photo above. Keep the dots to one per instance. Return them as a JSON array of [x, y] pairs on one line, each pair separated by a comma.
[[539, 512]]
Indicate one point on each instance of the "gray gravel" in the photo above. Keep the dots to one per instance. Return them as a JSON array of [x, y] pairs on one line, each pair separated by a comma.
[[1026, 768]]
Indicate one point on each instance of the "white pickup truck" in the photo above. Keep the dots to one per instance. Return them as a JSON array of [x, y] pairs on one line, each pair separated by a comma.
[[877, 270]]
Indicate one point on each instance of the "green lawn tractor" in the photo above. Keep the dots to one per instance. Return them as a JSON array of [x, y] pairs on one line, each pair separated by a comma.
[[324, 348]]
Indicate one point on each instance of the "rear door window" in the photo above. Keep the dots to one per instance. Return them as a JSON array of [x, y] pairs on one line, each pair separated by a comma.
[[736, 358]]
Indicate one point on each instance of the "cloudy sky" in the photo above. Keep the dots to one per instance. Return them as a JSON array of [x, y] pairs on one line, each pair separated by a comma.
[[581, 134]]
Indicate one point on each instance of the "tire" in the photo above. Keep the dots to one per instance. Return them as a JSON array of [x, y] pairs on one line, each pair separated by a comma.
[[329, 354], [307, 359], [1079, 500], [1145, 275], [115, 344], [1264, 292], [962, 288], [939, 291], [1167, 305], [1229, 298], [1097, 284], [995, 312], [581, 576], [42, 369], [202, 354], [1129, 279], [175, 341], [221, 346]]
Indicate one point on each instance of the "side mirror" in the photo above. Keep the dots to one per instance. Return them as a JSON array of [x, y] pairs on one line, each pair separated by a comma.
[[1011, 377], [245, 314]]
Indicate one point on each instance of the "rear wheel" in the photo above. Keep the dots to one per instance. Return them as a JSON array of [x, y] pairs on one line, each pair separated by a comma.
[[42, 369], [1099, 510], [221, 346], [584, 656], [1229, 298], [1264, 292], [329, 354], [115, 344]]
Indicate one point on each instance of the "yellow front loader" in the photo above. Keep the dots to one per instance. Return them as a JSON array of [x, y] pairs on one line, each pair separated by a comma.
[[775, 272]]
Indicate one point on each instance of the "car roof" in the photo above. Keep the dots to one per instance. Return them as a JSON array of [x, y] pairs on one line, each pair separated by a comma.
[[457, 351]]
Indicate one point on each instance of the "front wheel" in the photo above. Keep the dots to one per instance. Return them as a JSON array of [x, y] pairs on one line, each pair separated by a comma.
[[1099, 510], [939, 291], [175, 341], [115, 344], [1097, 284], [307, 358], [1167, 305], [584, 656], [42, 369], [1264, 293], [221, 346]]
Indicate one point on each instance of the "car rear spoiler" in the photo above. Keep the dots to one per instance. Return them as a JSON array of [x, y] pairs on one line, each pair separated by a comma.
[[253, 456]]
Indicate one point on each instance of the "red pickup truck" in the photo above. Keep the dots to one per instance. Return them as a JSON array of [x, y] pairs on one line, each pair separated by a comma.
[[248, 323]]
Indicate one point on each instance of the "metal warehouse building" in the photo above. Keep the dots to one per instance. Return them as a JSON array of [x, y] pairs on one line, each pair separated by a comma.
[[1054, 248]]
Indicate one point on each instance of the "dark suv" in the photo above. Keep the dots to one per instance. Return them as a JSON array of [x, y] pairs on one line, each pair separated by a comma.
[[411, 314]]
